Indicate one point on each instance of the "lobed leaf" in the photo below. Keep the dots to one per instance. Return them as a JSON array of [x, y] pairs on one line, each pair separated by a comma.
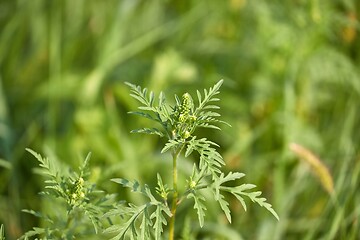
[[171, 144], [135, 186], [145, 226], [224, 206], [49, 168], [142, 96], [239, 191], [199, 206], [129, 224], [208, 96], [160, 220]]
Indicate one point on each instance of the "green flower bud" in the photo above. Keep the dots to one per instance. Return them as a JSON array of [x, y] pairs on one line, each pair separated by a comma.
[[192, 184], [186, 134], [187, 106]]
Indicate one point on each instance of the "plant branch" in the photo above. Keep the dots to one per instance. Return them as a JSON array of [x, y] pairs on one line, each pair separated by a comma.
[[174, 204]]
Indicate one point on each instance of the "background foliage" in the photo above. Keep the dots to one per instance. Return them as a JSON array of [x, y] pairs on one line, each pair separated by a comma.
[[291, 76]]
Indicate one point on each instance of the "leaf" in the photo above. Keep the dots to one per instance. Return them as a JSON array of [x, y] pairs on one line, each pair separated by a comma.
[[151, 98], [190, 146], [135, 186], [2, 232], [160, 220], [49, 168], [262, 202], [162, 99], [199, 206], [230, 177], [239, 191], [154, 131], [34, 232], [210, 159], [142, 96], [224, 206], [221, 180], [170, 145], [146, 223], [129, 224], [208, 96], [145, 115], [211, 107]]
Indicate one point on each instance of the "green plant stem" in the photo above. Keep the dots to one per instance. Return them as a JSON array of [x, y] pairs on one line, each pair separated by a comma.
[[175, 156]]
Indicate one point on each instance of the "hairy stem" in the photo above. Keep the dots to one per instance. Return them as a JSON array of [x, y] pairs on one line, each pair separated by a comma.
[[175, 156]]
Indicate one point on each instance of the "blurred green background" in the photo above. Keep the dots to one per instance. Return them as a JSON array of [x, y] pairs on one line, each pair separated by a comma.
[[291, 71]]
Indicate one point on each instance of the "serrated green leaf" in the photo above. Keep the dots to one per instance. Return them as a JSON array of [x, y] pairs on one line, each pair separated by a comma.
[[239, 191], [146, 108], [134, 186], [162, 99], [145, 115], [198, 93], [139, 98], [212, 107], [142, 96], [199, 206], [207, 114], [170, 144], [262, 202], [146, 223], [36, 231], [150, 195], [224, 206], [244, 187], [153, 131], [177, 100], [151, 98], [160, 220], [231, 176], [123, 229], [190, 146], [208, 96]]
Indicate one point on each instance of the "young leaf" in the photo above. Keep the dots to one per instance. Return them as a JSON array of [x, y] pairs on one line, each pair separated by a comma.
[[208, 96]]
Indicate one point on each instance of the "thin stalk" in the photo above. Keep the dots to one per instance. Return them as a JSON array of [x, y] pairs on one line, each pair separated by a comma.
[[174, 204]]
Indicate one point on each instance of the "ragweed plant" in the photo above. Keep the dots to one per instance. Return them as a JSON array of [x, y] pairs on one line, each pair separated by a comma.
[[79, 207], [178, 124]]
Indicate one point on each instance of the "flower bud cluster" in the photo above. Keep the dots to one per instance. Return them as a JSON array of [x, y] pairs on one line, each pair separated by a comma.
[[76, 192], [185, 124]]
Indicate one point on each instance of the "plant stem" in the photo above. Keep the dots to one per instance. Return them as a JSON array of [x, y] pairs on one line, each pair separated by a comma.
[[175, 155]]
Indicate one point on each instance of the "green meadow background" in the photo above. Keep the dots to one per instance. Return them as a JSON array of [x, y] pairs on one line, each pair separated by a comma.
[[291, 73]]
